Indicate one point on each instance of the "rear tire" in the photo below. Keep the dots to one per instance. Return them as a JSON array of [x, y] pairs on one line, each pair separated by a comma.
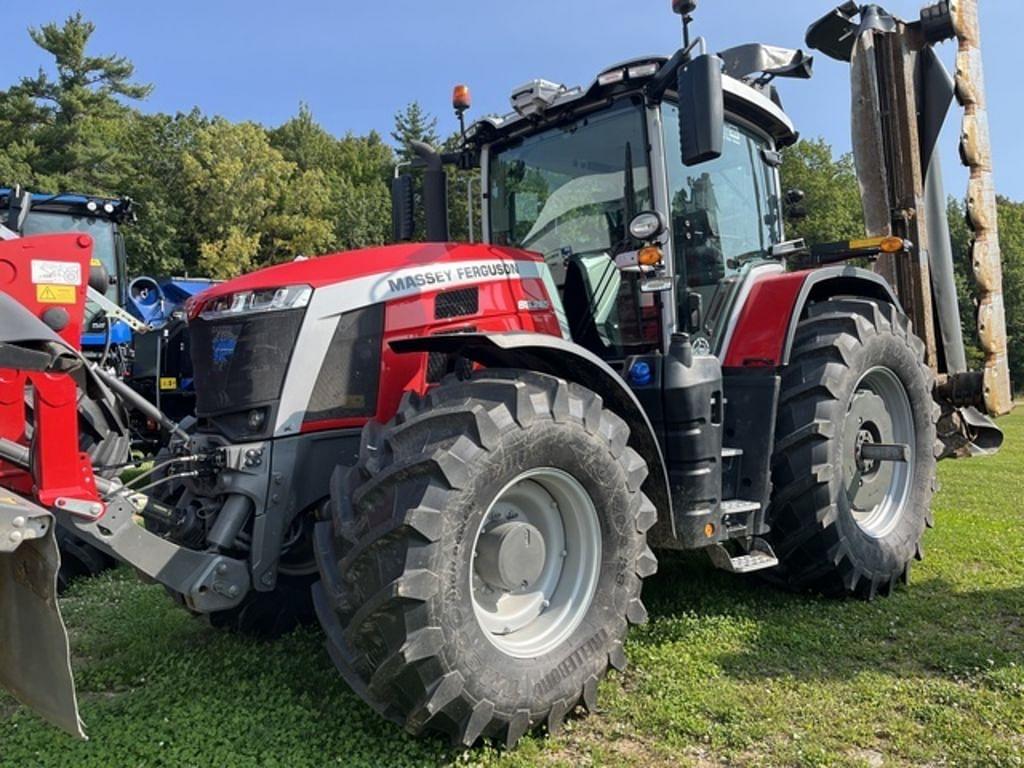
[[408, 596], [841, 526]]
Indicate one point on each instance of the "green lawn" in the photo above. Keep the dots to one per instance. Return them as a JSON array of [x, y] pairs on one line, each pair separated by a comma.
[[729, 671]]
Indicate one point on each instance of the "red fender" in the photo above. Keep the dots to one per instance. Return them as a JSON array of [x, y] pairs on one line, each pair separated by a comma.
[[768, 319]]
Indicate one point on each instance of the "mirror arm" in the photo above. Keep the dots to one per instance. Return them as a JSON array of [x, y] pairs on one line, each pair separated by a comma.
[[665, 77]]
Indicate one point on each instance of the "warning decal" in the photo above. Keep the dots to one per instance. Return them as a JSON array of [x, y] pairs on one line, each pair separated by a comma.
[[56, 272], [55, 294]]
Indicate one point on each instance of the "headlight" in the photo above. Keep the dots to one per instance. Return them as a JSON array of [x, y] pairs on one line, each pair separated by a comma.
[[258, 300]]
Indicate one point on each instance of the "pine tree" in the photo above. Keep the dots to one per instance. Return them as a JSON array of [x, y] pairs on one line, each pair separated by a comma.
[[414, 124], [71, 126]]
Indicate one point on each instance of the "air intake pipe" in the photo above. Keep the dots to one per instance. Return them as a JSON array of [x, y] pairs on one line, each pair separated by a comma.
[[435, 191]]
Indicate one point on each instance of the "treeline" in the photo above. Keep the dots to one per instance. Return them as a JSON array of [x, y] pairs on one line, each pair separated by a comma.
[[214, 198], [217, 198]]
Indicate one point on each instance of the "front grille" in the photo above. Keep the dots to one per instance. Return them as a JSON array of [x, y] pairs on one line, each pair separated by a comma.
[[457, 303], [241, 362]]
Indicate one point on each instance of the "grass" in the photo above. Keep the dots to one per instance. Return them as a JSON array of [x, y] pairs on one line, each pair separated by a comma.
[[728, 671]]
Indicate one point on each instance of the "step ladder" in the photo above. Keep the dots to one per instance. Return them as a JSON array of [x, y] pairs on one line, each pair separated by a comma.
[[758, 558]]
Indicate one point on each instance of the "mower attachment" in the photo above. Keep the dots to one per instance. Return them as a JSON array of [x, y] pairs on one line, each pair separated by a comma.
[[34, 659]]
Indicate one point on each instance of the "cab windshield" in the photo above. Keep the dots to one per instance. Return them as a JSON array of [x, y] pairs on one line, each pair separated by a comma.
[[569, 193], [101, 231]]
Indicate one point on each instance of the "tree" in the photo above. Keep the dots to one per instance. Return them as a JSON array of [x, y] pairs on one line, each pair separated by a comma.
[[248, 206], [1011, 243], [832, 195], [414, 124], [66, 131], [356, 169], [161, 241]]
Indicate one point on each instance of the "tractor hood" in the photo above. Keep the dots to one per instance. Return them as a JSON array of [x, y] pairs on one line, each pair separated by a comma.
[[382, 271]]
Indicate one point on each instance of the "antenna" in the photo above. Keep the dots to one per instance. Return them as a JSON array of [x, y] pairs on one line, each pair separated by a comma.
[[685, 8]]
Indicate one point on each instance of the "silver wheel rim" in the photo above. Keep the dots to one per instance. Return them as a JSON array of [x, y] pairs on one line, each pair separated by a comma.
[[880, 411], [535, 617]]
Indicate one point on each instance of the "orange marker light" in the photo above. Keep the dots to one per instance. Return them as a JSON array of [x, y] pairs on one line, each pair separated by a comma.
[[461, 99], [891, 245], [649, 256]]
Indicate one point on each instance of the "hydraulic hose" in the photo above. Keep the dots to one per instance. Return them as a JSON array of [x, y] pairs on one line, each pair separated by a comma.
[[139, 403]]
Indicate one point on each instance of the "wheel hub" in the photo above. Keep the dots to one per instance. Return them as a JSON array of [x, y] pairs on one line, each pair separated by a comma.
[[510, 556], [535, 564], [867, 421], [877, 450]]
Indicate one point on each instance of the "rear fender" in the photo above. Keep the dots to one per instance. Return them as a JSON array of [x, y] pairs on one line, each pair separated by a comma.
[[767, 321], [558, 357]]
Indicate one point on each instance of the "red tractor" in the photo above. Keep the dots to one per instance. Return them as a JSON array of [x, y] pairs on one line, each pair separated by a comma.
[[461, 456]]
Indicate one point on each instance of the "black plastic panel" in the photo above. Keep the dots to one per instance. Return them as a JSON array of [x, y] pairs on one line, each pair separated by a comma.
[[346, 385]]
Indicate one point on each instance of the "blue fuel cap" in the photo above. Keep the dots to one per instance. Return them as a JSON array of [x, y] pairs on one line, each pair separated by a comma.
[[640, 373]]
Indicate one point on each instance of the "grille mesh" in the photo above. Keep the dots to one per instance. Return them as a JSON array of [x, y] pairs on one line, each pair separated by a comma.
[[458, 303]]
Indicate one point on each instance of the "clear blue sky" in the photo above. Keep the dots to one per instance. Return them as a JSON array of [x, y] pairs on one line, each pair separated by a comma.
[[356, 63]]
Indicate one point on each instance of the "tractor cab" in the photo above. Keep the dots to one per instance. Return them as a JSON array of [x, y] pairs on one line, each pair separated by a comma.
[[639, 243], [99, 217]]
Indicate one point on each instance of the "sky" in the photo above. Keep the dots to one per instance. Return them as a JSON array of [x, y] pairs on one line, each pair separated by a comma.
[[356, 63]]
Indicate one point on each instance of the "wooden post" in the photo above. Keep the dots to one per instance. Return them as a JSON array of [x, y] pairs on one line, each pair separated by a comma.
[[976, 153]]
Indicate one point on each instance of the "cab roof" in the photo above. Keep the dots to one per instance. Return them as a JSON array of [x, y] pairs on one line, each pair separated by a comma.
[[69, 203], [759, 105]]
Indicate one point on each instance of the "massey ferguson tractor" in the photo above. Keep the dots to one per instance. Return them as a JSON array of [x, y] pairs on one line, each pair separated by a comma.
[[462, 455]]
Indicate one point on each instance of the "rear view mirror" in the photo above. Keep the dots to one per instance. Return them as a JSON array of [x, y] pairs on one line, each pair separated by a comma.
[[694, 313], [793, 205], [99, 278], [403, 220], [701, 109]]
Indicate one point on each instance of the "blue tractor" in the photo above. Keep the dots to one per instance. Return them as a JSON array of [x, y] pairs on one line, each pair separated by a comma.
[[134, 328]]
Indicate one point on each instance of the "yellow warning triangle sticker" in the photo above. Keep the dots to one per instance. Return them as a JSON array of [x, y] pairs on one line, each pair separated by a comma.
[[55, 294]]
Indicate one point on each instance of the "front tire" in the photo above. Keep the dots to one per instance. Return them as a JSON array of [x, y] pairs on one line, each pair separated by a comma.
[[842, 525], [78, 559], [485, 556]]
